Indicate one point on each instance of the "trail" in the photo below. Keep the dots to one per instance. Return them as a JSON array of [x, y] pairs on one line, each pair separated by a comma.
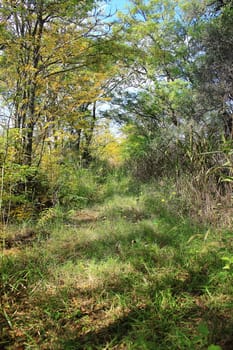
[[116, 276]]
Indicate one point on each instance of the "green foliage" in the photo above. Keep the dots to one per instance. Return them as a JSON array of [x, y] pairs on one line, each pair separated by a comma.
[[228, 263], [76, 187], [50, 216], [136, 145], [214, 347], [24, 192], [117, 182]]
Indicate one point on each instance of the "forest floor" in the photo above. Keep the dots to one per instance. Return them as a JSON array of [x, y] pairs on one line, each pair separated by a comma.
[[124, 274]]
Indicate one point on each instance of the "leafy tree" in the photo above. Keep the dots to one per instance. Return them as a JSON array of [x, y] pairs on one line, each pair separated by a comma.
[[212, 45], [172, 125], [49, 67], [54, 66]]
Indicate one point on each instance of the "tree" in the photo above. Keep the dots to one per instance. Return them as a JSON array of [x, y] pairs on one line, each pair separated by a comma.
[[157, 32], [167, 112], [212, 44], [48, 66], [55, 64]]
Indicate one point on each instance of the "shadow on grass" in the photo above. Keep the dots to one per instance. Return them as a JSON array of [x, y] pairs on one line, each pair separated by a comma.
[[220, 324], [126, 239], [144, 246], [147, 329], [151, 326], [98, 339], [111, 335]]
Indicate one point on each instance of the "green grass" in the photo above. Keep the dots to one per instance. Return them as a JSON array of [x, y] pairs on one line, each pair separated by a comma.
[[131, 277]]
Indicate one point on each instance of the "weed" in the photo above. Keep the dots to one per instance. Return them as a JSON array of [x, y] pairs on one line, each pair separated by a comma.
[[135, 277]]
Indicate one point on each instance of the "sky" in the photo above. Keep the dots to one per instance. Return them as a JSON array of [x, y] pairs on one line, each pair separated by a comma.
[[118, 4]]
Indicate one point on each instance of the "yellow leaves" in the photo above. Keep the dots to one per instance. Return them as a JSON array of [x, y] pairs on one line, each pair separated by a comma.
[[107, 147], [29, 68], [22, 212], [112, 152], [52, 75], [62, 45], [54, 86]]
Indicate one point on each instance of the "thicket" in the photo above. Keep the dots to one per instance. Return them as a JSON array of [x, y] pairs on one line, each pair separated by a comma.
[[163, 71], [179, 121]]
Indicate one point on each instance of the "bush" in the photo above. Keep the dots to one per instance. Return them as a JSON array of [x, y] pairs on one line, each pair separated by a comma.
[[25, 192], [75, 187]]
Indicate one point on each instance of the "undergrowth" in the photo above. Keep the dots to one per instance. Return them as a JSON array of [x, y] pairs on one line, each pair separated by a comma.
[[126, 273]]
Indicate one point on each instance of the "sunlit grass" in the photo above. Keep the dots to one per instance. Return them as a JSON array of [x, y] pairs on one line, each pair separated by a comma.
[[129, 277]]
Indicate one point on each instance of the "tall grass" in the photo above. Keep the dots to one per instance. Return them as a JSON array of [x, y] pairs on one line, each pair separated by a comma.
[[136, 277]]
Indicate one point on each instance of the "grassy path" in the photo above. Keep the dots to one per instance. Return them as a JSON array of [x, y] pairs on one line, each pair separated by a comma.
[[123, 275]]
